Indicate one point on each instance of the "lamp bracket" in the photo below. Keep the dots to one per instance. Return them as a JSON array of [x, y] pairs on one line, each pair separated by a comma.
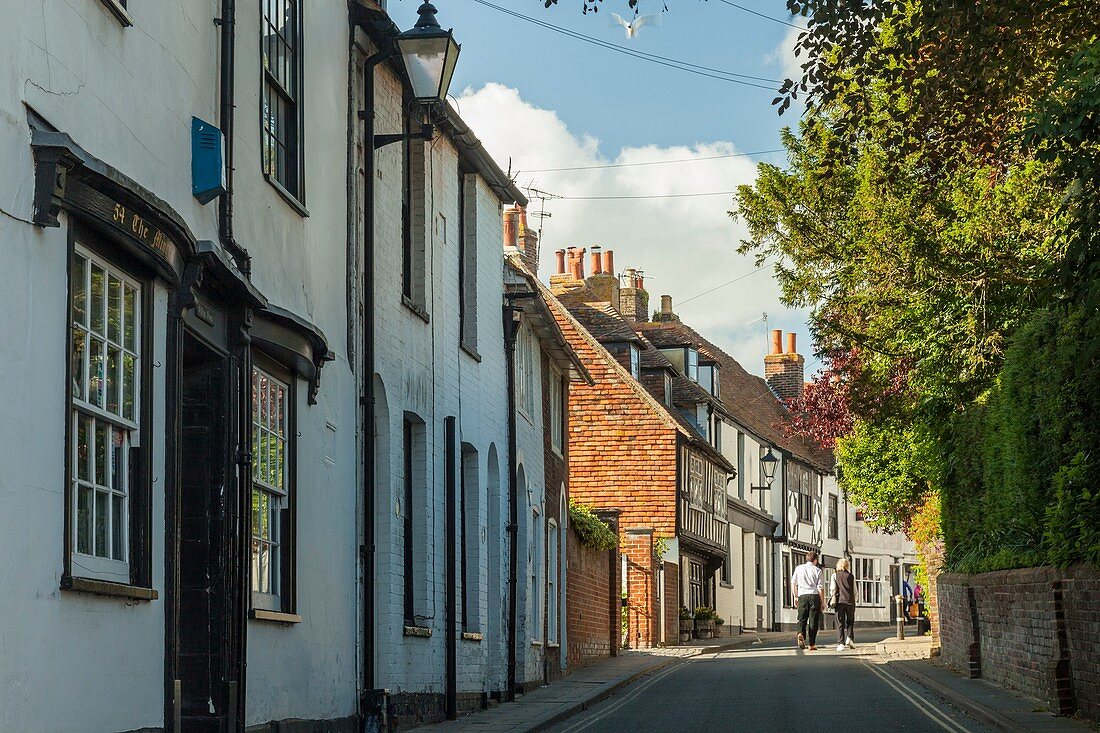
[[427, 131], [760, 488]]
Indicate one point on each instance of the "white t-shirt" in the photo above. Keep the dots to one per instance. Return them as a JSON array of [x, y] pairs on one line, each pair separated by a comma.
[[807, 579]]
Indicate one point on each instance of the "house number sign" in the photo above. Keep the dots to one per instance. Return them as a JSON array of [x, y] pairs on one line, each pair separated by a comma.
[[126, 220]]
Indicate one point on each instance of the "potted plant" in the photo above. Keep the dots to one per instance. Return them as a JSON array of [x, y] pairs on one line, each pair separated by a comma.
[[704, 622], [687, 625], [719, 623]]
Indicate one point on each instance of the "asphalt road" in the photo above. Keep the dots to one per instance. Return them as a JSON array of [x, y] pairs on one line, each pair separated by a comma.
[[774, 687]]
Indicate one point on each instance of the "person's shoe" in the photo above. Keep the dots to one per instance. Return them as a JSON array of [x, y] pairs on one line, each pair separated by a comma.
[[849, 643], [840, 647], [813, 647], [801, 641]]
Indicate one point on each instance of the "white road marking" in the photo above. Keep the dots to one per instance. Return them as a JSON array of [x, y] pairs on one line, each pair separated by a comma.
[[616, 706], [932, 712]]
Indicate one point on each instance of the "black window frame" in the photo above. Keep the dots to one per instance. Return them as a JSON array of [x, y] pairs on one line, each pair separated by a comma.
[[760, 550], [834, 517], [140, 466], [288, 515], [291, 185]]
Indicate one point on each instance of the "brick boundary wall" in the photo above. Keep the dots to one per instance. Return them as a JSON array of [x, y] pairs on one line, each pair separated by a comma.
[[589, 603], [1036, 630]]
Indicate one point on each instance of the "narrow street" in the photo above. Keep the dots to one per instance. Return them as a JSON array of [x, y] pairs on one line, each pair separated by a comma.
[[774, 687]]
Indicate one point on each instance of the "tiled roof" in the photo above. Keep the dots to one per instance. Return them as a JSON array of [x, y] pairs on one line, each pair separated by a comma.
[[604, 324], [746, 397]]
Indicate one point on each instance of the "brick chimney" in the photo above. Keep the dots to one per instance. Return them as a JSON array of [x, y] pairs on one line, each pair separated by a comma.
[[633, 298], [528, 242], [666, 314], [602, 281], [785, 371]]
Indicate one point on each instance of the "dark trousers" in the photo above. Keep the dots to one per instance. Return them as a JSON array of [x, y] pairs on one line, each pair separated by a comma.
[[845, 622], [809, 610]]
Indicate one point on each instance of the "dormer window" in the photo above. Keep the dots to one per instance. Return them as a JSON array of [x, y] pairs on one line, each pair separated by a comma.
[[692, 369], [668, 390], [708, 378], [635, 361]]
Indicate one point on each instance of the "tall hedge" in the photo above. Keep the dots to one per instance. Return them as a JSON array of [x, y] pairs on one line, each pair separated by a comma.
[[1022, 465]]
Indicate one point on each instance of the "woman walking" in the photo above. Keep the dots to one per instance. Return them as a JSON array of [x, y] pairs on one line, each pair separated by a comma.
[[843, 593]]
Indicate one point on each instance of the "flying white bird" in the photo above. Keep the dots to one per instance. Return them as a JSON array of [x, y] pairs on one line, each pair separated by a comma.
[[634, 25]]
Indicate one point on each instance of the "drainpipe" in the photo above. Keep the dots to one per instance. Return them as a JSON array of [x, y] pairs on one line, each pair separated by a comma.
[[512, 315], [372, 704], [227, 23]]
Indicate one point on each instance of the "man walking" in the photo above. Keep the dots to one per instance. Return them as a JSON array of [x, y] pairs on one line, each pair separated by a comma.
[[807, 585], [843, 593]]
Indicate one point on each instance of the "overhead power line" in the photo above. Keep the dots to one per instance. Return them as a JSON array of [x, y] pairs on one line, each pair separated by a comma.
[[719, 74], [719, 287], [652, 162], [759, 15], [646, 196]]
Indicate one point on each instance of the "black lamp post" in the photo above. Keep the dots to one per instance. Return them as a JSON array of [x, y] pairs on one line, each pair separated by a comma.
[[767, 467], [429, 55]]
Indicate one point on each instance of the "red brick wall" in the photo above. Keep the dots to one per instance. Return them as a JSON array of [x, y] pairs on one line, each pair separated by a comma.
[[622, 455], [672, 603], [641, 588], [1036, 630], [591, 591]]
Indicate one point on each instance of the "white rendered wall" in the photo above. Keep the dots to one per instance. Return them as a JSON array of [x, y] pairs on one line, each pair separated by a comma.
[[126, 95]]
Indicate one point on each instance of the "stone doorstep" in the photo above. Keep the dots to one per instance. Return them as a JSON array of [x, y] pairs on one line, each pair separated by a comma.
[[1044, 722]]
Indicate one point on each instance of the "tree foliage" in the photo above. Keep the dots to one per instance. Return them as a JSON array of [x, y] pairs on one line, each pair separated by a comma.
[[939, 217], [889, 468]]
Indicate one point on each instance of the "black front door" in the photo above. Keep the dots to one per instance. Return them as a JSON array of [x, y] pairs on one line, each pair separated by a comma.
[[206, 598]]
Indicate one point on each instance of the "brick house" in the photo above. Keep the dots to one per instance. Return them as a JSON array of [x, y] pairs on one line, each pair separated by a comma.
[[633, 448]]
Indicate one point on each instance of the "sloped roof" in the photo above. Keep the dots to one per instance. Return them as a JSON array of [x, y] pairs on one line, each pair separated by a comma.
[[746, 397], [579, 306]]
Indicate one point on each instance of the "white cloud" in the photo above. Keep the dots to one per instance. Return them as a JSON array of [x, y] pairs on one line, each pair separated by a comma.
[[782, 56], [685, 245]]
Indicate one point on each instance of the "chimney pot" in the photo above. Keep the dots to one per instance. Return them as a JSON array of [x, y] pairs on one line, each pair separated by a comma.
[[609, 262], [559, 259], [777, 341], [596, 259], [791, 344], [522, 219], [666, 304], [511, 224]]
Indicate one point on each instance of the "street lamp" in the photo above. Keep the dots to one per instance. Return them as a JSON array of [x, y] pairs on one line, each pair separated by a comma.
[[429, 54], [768, 462]]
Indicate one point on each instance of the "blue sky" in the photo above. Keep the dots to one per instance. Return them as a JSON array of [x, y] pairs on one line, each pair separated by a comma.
[[539, 99]]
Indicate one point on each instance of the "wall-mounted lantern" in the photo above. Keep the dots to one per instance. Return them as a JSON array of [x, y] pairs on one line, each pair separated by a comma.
[[768, 462]]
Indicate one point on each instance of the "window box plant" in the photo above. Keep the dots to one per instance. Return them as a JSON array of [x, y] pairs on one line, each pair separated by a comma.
[[704, 622]]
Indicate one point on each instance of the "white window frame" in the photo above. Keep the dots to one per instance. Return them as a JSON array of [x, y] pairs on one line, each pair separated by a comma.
[[554, 539], [557, 411], [537, 590], [868, 585], [635, 361], [526, 369], [120, 425], [270, 487], [691, 364]]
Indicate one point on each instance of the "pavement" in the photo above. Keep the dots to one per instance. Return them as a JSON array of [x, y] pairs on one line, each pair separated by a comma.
[[761, 682]]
